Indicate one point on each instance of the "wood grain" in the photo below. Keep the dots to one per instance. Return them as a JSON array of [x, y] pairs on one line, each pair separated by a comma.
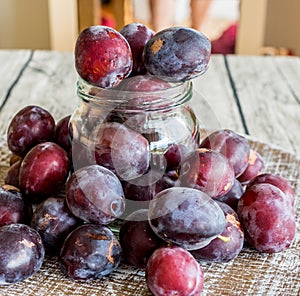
[[254, 95], [251, 273], [267, 99]]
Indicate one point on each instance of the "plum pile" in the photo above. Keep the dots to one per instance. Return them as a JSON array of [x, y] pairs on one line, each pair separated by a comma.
[[104, 57], [173, 208]]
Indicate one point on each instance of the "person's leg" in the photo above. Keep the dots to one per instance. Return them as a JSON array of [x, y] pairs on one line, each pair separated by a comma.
[[199, 9], [162, 12]]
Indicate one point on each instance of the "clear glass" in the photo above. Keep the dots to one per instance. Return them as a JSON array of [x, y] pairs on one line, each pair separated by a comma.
[[163, 117]]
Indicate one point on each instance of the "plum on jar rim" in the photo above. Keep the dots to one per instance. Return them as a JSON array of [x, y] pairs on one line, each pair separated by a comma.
[[137, 35], [177, 53], [102, 56]]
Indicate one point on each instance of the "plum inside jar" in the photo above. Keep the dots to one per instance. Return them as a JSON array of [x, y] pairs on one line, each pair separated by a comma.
[[129, 128]]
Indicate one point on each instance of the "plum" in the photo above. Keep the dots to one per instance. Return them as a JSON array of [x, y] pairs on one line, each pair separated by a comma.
[[21, 254], [174, 271], [137, 35], [30, 126], [186, 217], [267, 217], [102, 56], [53, 220], [232, 197], [13, 209], [137, 239], [122, 150], [143, 83], [232, 145], [95, 195], [43, 172], [277, 180], [177, 53], [229, 244], [174, 156], [12, 175], [62, 133], [144, 92], [145, 187], [255, 167], [208, 171], [90, 252]]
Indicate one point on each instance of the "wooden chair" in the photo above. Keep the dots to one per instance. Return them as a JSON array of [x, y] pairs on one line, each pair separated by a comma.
[[68, 18], [251, 29]]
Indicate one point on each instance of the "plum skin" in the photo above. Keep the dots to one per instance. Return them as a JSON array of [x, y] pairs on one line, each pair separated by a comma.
[[219, 250], [102, 56], [13, 208], [62, 133], [89, 252], [53, 220], [267, 217], [177, 53], [137, 36], [21, 254], [232, 197], [95, 195], [43, 172], [186, 217], [207, 170], [233, 146], [30, 126], [255, 167], [174, 271], [122, 150], [277, 180], [137, 239]]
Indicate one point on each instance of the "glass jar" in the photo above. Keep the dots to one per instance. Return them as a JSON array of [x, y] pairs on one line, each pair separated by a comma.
[[138, 135]]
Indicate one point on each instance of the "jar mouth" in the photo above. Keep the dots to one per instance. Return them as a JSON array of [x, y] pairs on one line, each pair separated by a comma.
[[177, 93]]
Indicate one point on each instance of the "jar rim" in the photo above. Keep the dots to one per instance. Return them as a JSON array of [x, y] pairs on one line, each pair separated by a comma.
[[177, 94]]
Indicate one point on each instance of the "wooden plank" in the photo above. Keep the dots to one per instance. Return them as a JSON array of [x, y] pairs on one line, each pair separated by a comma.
[[289, 67], [12, 64], [215, 105], [267, 100], [275, 93], [49, 81]]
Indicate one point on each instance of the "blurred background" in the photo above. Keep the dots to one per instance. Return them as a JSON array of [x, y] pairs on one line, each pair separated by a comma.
[[251, 27]]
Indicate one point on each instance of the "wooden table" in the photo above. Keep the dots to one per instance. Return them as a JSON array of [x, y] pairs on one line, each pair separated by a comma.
[[253, 95]]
